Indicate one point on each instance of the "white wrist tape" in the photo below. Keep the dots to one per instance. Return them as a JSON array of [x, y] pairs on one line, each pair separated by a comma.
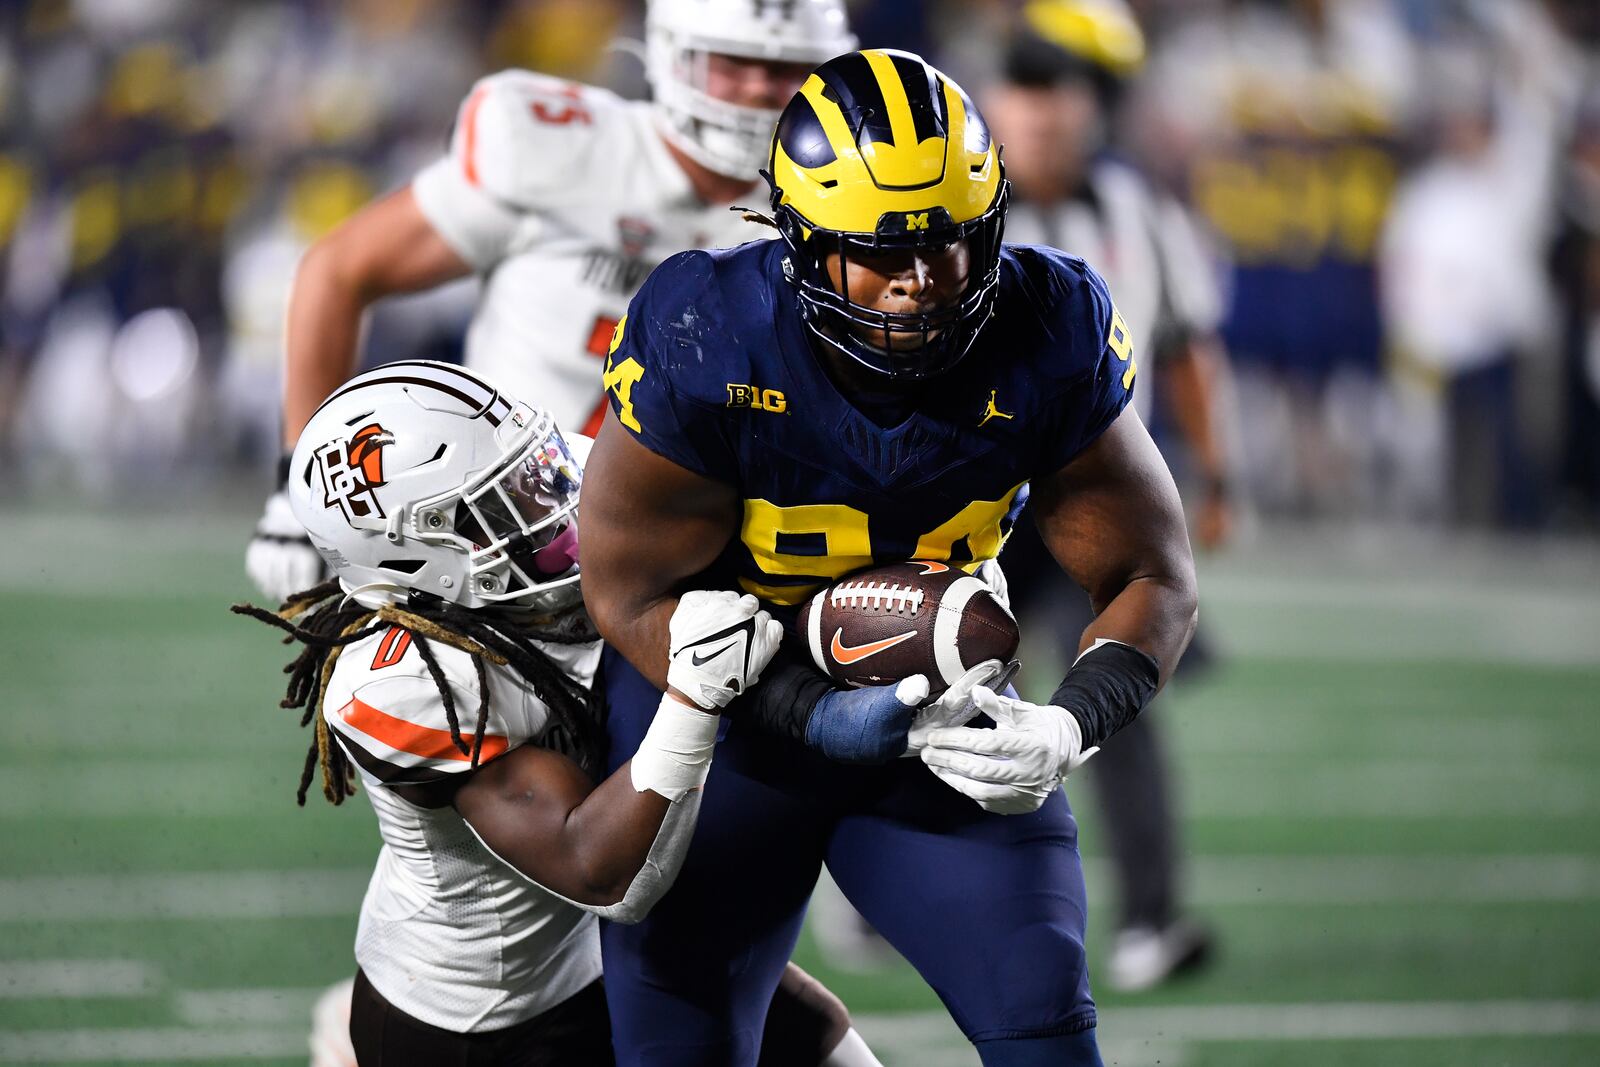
[[675, 755]]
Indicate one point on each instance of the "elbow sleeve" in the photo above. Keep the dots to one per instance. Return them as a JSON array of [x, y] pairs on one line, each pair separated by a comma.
[[661, 865]]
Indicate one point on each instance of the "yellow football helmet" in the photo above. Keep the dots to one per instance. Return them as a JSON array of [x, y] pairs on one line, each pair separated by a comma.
[[1052, 39], [880, 151]]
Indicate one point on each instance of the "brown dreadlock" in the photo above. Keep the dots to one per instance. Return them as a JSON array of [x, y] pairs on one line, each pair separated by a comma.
[[325, 621]]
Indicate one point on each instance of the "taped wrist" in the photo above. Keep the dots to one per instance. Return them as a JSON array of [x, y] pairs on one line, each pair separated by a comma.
[[1107, 688], [783, 702], [675, 755]]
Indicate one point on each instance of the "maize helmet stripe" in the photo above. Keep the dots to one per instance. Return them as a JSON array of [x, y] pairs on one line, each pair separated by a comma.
[[897, 101], [880, 150], [929, 111]]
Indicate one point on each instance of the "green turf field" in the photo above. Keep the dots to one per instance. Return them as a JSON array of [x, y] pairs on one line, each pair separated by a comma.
[[1392, 805]]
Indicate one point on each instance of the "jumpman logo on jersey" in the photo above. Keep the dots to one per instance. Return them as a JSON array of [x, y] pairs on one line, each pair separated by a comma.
[[991, 411]]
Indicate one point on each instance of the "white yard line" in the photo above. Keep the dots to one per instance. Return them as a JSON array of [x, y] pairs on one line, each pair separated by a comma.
[[153, 1045], [75, 979], [1355, 1021], [1229, 787], [1217, 880], [268, 894], [255, 1007], [929, 1039], [1130, 1035], [1363, 880]]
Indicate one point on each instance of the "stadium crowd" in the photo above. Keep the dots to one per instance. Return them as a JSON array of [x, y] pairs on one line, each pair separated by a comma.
[[1401, 199]]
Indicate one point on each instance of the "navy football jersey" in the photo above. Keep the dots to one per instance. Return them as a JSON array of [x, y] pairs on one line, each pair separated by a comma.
[[713, 369]]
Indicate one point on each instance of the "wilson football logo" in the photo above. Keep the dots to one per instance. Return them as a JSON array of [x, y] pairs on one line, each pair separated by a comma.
[[353, 470]]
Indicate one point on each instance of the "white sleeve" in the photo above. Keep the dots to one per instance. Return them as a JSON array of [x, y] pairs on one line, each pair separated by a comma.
[[521, 147], [384, 705], [474, 224]]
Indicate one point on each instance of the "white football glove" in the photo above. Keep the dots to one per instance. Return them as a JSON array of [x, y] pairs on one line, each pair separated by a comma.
[[280, 559], [991, 575], [721, 642], [954, 707], [1012, 769]]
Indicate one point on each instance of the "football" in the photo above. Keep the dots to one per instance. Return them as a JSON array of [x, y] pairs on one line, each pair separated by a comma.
[[922, 617]]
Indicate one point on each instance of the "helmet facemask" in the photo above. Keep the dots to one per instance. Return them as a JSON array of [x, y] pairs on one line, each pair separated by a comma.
[[725, 137], [516, 521], [682, 35], [866, 334], [878, 153]]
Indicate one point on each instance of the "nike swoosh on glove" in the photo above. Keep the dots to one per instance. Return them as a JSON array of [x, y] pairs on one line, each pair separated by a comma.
[[720, 644], [867, 725], [1012, 769], [280, 559]]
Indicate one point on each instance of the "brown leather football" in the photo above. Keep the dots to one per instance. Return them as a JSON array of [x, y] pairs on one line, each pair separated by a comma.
[[881, 625]]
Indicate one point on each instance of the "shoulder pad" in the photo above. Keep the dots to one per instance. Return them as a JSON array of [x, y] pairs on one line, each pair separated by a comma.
[[522, 137], [673, 358], [385, 706], [1073, 303], [682, 325]]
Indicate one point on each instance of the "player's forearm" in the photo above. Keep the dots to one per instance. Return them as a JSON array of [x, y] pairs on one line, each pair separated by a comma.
[[635, 623], [607, 839], [1191, 383], [322, 334], [1155, 614], [625, 866], [387, 247]]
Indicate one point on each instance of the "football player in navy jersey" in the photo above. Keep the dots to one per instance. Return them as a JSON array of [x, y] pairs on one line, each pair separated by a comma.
[[878, 385]]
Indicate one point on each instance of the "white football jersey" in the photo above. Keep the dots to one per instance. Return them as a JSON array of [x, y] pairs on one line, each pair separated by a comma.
[[449, 933], [1145, 248], [564, 197]]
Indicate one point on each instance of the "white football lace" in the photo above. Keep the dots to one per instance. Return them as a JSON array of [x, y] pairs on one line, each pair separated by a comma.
[[877, 595]]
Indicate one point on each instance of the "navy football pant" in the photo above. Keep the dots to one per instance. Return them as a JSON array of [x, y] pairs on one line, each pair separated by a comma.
[[988, 908]]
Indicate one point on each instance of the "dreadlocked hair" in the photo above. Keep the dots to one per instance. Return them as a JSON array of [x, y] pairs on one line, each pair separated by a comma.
[[324, 620]]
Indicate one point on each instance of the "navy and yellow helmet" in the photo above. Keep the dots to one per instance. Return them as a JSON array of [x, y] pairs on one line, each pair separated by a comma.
[[879, 151]]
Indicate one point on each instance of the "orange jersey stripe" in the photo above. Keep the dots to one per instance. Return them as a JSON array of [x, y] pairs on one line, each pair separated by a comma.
[[469, 132], [409, 737]]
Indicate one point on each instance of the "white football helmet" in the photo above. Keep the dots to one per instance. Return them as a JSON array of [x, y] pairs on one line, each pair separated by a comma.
[[423, 476], [679, 35]]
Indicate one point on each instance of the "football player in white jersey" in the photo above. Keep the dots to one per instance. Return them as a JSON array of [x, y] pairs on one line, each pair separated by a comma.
[[562, 197], [450, 666], [1064, 66]]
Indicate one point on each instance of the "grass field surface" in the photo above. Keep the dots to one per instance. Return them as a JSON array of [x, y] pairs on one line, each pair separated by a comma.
[[1390, 794]]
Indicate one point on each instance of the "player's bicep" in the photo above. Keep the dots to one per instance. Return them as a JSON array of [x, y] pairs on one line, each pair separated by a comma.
[[1112, 516], [518, 805], [476, 227], [648, 524], [387, 247]]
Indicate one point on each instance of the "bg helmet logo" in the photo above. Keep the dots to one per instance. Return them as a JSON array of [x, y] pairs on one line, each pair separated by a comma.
[[352, 471]]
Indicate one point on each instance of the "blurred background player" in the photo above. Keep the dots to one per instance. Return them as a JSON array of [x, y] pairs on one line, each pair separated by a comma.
[[1065, 65], [448, 510], [562, 197], [1281, 120]]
